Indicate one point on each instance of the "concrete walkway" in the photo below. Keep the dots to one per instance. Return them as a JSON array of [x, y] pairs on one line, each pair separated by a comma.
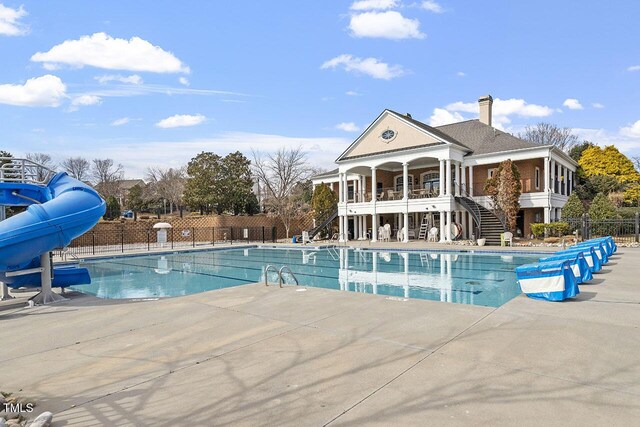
[[253, 355]]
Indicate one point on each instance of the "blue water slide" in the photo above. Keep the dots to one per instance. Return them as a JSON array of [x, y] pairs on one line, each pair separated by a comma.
[[57, 213]]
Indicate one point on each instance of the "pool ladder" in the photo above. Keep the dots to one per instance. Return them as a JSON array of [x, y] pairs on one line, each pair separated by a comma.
[[283, 269]]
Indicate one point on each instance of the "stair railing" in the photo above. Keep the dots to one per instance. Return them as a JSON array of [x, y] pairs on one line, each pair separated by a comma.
[[24, 171]]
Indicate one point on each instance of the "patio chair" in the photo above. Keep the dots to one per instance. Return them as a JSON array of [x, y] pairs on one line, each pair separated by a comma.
[[507, 236], [387, 232], [433, 235], [391, 195], [400, 234]]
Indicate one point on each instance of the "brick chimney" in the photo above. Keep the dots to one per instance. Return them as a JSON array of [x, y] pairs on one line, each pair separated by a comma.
[[486, 103]]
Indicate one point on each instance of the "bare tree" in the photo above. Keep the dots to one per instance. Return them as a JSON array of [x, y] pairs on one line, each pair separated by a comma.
[[279, 175], [77, 167], [167, 184], [106, 175], [550, 134], [41, 159]]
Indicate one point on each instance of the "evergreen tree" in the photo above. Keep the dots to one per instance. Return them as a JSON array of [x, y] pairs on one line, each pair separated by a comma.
[[573, 208], [202, 189], [237, 184], [323, 202], [113, 208], [602, 208], [135, 199]]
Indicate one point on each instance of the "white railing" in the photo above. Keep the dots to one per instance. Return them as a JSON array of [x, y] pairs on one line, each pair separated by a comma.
[[24, 171]]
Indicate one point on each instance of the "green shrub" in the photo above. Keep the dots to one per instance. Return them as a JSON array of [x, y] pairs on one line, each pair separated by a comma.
[[552, 229], [573, 208]]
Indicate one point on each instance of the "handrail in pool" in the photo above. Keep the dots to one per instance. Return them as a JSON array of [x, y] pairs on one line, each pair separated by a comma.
[[266, 274], [282, 269]]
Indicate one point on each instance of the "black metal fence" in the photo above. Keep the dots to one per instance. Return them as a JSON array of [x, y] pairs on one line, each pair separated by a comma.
[[121, 241], [623, 230]]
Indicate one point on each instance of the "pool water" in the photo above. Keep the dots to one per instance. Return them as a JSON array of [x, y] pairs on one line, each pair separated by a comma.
[[465, 278]]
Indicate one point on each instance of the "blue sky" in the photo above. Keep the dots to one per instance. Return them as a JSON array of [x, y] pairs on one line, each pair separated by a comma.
[[153, 83]]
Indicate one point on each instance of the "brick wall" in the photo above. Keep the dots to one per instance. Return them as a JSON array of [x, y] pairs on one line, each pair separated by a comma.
[[198, 228]]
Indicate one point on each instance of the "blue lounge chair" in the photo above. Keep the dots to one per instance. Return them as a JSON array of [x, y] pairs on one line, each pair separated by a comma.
[[551, 280], [579, 265], [598, 246], [593, 261]]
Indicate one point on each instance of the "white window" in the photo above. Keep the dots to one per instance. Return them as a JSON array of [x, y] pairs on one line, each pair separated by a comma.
[[399, 182], [431, 181], [537, 178]]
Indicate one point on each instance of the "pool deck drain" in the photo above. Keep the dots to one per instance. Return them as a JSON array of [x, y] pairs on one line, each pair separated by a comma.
[[252, 355]]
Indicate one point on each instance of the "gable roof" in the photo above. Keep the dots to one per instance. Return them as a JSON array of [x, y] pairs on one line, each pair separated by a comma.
[[445, 138], [484, 139]]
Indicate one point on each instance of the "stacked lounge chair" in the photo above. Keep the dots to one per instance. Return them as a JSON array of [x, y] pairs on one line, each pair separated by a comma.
[[556, 277]]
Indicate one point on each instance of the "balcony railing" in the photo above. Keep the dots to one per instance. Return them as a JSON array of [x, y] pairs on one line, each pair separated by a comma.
[[387, 194]]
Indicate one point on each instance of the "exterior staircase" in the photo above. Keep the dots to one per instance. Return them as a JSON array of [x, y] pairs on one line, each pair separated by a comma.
[[489, 225], [323, 224]]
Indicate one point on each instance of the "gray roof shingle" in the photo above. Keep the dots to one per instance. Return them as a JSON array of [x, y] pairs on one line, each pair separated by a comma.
[[484, 139]]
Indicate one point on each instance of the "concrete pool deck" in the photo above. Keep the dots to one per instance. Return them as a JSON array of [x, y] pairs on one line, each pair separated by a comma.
[[255, 355]]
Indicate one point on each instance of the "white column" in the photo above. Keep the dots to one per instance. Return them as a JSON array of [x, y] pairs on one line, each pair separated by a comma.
[[364, 226], [405, 238], [442, 226], [340, 189], [470, 225], [470, 191], [447, 178], [448, 227], [463, 180], [457, 173], [374, 228], [374, 186], [356, 227], [441, 178], [553, 176], [341, 227], [463, 223], [547, 215], [547, 175], [405, 181], [565, 180]]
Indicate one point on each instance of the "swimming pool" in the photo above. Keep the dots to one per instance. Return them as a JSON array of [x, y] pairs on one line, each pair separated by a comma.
[[466, 278]]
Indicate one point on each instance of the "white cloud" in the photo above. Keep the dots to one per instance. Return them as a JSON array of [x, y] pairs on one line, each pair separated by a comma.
[[440, 117], [634, 68], [86, 100], [352, 93], [82, 101], [121, 121], [597, 105], [374, 4], [181, 120], [184, 81], [432, 6], [461, 74], [387, 25], [369, 66], [632, 131], [348, 127], [9, 21], [44, 91], [503, 109], [133, 79], [103, 51], [572, 104]]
